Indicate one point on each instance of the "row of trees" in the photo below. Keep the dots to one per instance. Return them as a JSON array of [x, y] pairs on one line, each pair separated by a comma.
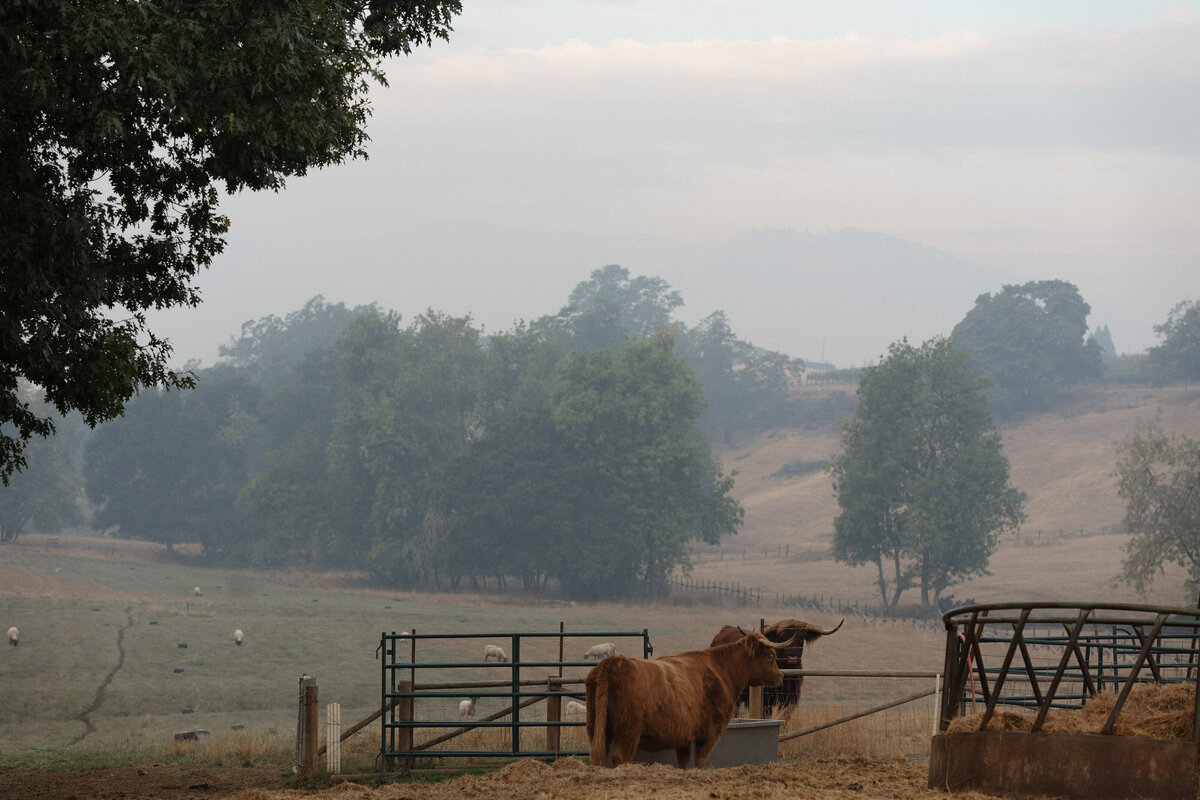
[[571, 449], [555, 451]]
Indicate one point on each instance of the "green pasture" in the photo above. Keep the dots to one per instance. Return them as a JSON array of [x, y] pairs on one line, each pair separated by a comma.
[[69, 649]]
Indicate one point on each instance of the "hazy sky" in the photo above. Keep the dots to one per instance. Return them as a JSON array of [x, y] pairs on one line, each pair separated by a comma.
[[1031, 140]]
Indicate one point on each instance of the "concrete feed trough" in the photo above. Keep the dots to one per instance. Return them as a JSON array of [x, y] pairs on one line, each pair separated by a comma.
[[745, 741]]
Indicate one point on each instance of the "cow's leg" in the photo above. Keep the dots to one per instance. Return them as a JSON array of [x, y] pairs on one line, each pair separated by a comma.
[[702, 751], [683, 755], [623, 746]]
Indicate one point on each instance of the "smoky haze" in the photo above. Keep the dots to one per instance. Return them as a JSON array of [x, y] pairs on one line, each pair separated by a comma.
[[833, 179]]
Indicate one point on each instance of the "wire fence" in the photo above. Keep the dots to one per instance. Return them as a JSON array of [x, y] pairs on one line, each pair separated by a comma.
[[756, 596], [1036, 537]]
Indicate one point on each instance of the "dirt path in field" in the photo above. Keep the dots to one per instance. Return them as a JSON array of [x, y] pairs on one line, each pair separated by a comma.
[[832, 779], [85, 715]]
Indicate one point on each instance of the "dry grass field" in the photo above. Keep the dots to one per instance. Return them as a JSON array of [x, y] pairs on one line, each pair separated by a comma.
[[1070, 548], [100, 680]]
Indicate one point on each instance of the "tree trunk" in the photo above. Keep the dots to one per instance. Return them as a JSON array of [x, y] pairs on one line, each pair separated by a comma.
[[896, 596], [882, 581]]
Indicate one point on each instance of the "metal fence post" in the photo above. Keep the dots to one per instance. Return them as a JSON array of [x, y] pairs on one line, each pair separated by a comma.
[[333, 738]]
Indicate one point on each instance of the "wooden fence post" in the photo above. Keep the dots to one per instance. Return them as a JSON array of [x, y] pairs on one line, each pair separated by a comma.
[[307, 737], [756, 702], [312, 735], [404, 713], [553, 714]]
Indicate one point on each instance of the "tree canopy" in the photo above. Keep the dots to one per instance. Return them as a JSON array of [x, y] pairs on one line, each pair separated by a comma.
[[741, 382], [1177, 356], [424, 454], [46, 495], [1030, 340], [739, 379], [170, 469], [922, 481], [1158, 476], [609, 307], [121, 124]]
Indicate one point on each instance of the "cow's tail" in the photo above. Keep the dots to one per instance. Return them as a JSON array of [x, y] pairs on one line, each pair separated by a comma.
[[597, 711]]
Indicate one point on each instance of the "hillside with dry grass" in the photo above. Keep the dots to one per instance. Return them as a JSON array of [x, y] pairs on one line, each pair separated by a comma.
[[1070, 548]]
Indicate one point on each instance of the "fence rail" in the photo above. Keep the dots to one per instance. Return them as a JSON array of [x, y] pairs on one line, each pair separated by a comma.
[[401, 691]]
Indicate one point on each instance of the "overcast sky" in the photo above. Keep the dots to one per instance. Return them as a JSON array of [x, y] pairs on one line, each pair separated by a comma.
[[1030, 140]]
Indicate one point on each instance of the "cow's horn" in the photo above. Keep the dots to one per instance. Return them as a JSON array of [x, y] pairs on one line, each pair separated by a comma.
[[778, 645]]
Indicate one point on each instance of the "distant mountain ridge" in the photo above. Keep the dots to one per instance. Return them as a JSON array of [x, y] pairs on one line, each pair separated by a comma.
[[850, 292]]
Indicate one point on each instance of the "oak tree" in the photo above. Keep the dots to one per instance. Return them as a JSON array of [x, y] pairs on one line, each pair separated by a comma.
[[1177, 356], [1030, 340], [1158, 476], [922, 480]]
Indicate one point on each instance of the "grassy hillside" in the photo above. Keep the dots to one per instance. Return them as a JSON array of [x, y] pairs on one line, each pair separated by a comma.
[[1071, 546]]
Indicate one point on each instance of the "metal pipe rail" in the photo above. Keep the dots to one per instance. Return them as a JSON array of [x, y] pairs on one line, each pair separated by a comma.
[[1099, 646], [399, 697], [969, 629]]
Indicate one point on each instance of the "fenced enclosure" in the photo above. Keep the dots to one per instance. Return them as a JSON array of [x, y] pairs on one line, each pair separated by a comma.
[[1060, 656], [1067, 654], [425, 678], [520, 705]]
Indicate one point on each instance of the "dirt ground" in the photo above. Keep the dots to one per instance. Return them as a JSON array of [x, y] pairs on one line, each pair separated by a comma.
[[831, 779], [149, 782]]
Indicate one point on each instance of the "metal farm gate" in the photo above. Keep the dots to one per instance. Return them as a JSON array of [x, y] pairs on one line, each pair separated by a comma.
[[424, 676]]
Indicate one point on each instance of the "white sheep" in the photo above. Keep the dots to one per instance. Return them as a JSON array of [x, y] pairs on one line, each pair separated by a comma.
[[196, 591], [238, 637], [600, 651], [466, 708], [14, 636], [493, 652], [576, 707]]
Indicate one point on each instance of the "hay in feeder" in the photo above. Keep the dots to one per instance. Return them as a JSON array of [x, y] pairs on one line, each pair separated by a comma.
[[1152, 710]]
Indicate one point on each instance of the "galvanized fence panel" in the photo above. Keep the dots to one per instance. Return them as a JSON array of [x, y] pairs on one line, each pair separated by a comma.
[[403, 695]]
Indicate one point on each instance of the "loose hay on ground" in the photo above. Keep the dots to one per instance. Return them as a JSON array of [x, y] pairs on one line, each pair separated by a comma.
[[569, 779], [1152, 710]]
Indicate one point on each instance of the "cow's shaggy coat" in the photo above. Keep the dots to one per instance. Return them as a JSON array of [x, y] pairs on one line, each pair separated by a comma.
[[672, 702]]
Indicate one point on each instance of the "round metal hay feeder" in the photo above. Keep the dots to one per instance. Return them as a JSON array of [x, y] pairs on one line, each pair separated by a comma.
[[1043, 656]]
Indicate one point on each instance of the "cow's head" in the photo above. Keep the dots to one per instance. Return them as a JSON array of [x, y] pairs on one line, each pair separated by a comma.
[[799, 632], [760, 652]]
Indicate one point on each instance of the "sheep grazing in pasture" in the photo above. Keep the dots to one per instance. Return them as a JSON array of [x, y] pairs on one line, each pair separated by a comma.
[[196, 592], [575, 707], [14, 636], [493, 652], [238, 637], [466, 708], [600, 651]]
